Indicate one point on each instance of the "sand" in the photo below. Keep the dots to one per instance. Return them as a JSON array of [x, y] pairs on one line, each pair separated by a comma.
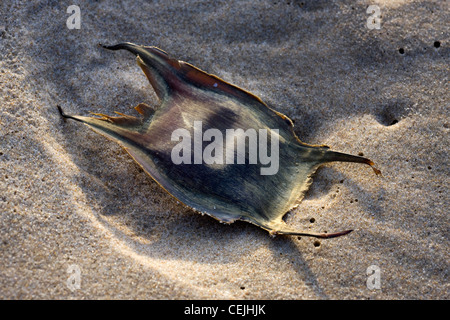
[[81, 220]]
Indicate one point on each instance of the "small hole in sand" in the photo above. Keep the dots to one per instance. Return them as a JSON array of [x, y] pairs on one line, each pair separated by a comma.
[[316, 243], [391, 113], [437, 44], [401, 51], [312, 220]]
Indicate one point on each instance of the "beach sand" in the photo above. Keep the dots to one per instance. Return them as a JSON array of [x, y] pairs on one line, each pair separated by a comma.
[[81, 220]]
